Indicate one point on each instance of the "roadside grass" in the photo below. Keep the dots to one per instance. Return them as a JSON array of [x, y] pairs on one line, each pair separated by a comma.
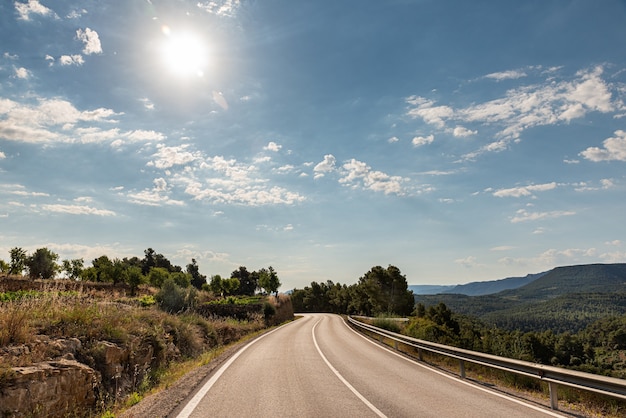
[[28, 319]]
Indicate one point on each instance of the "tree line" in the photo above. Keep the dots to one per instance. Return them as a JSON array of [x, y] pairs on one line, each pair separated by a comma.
[[379, 291], [154, 269]]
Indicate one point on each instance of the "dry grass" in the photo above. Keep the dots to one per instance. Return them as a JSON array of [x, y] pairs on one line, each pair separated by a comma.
[[31, 327]]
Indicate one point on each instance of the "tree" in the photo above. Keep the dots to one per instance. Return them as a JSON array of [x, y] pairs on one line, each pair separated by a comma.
[[230, 286], [247, 281], [73, 268], [148, 261], [158, 276], [215, 285], [4, 267], [103, 269], [223, 287], [18, 260], [152, 259], [181, 279], [268, 280], [135, 278], [387, 291], [42, 264], [197, 279]]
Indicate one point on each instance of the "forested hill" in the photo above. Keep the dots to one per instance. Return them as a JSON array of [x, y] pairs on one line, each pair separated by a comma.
[[565, 298], [493, 286], [589, 278]]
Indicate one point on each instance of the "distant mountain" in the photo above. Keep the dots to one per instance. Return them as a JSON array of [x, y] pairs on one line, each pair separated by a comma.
[[564, 298], [588, 278], [430, 289], [492, 286]]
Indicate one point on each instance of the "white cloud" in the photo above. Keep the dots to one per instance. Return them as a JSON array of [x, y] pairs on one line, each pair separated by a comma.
[[467, 262], [167, 157], [20, 190], [157, 196], [462, 132], [614, 149], [272, 146], [422, 140], [66, 60], [325, 166], [22, 73], [75, 14], [357, 173], [91, 40], [32, 7], [147, 103], [549, 103], [426, 110], [2, 155], [524, 216], [506, 75], [525, 190], [219, 180], [502, 248], [288, 168], [77, 210], [226, 8], [393, 139], [56, 120], [605, 184]]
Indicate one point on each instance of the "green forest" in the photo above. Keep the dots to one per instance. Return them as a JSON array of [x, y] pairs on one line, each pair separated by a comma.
[[582, 331]]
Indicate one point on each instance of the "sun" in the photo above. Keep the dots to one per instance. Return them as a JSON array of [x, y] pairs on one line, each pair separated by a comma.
[[184, 53]]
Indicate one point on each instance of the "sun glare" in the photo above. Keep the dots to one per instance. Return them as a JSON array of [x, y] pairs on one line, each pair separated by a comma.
[[184, 53]]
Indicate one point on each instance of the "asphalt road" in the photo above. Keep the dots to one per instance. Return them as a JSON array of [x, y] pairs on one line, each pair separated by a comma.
[[318, 367]]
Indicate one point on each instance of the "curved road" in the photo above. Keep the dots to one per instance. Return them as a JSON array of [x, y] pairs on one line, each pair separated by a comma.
[[319, 367]]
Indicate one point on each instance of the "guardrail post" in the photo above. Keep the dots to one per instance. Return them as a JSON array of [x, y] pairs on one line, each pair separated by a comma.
[[419, 354], [395, 344], [554, 396], [462, 367]]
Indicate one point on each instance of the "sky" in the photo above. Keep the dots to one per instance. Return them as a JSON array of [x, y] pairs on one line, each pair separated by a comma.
[[459, 140]]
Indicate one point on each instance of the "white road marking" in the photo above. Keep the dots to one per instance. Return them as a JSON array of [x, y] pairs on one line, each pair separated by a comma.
[[344, 381], [193, 403]]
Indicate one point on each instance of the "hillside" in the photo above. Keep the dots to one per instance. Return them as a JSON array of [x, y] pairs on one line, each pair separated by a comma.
[[493, 286], [429, 289], [565, 298]]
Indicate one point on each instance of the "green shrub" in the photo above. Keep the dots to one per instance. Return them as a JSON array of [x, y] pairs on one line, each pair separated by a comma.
[[147, 300], [171, 297], [387, 324], [268, 311]]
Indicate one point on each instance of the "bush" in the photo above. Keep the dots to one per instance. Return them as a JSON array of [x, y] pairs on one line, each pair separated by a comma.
[[268, 311], [147, 300], [173, 298]]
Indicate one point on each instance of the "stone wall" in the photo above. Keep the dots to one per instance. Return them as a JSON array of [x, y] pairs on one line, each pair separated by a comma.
[[49, 389]]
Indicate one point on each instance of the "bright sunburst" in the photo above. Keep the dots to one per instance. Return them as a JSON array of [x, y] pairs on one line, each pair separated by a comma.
[[184, 53]]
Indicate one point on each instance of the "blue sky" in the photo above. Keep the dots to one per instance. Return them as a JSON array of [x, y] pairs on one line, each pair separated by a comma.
[[459, 141]]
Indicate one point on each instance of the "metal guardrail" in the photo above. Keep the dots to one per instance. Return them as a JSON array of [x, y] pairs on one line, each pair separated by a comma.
[[554, 376]]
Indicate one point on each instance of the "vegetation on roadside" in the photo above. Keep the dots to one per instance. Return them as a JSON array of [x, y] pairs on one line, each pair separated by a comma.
[[148, 308]]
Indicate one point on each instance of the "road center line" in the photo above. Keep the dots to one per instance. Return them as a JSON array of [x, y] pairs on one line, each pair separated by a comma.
[[344, 381]]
